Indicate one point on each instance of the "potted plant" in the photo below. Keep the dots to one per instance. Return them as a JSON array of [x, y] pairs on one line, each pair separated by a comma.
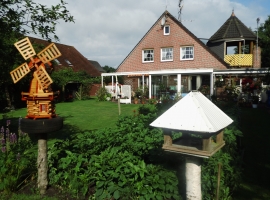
[[136, 100], [143, 100], [138, 93]]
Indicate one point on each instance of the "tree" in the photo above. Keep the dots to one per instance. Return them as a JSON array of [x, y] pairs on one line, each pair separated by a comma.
[[18, 18], [264, 42], [108, 79], [108, 69], [25, 16], [66, 75]]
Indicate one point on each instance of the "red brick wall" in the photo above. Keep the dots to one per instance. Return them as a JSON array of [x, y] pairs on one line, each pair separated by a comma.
[[178, 37], [94, 89], [256, 61]]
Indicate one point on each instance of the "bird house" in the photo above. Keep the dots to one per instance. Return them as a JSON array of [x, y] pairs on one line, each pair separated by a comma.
[[193, 126]]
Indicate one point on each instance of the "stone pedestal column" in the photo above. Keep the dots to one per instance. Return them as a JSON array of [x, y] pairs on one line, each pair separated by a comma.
[[42, 164], [193, 178]]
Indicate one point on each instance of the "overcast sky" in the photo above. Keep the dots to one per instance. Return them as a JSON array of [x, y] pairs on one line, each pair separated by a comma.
[[107, 30]]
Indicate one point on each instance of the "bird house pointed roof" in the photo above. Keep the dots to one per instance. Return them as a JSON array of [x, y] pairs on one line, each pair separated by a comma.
[[194, 113]]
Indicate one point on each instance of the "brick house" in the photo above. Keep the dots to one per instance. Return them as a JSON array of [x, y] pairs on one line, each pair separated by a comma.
[[169, 59]]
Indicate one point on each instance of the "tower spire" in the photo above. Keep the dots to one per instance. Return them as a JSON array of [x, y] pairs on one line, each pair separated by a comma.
[[233, 12]]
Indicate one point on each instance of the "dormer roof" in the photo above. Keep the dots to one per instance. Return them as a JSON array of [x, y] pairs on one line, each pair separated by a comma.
[[233, 28], [70, 57]]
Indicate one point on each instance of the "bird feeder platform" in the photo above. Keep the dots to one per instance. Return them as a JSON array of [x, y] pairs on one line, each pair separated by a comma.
[[199, 124], [194, 146]]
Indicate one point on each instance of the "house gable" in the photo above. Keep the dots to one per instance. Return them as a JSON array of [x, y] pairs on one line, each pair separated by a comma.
[[179, 36]]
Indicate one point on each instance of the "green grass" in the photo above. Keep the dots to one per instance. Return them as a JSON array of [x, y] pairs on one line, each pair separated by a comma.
[[80, 116], [86, 114], [92, 114]]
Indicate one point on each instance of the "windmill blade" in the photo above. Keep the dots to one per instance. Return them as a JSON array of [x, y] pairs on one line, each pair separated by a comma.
[[18, 73], [43, 78], [25, 48], [49, 53]]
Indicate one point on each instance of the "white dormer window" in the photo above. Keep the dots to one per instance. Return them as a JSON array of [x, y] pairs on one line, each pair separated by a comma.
[[148, 55], [166, 30], [57, 61], [68, 62]]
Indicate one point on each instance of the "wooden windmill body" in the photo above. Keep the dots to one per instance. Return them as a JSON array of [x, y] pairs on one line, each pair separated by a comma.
[[40, 96]]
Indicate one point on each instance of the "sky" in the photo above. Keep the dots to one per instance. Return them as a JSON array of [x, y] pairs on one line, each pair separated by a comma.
[[107, 30]]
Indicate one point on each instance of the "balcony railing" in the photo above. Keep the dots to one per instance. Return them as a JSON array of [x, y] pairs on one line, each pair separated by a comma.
[[239, 60]]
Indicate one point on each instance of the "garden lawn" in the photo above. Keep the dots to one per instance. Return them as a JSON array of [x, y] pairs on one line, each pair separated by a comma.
[[92, 114], [79, 116]]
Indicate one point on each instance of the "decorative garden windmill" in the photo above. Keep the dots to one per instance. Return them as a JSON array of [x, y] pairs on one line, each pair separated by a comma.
[[39, 98], [41, 118]]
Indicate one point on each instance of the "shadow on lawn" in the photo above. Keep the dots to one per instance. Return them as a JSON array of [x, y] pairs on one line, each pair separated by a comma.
[[66, 132]]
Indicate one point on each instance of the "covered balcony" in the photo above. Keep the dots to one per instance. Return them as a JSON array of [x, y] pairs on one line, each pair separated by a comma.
[[239, 60]]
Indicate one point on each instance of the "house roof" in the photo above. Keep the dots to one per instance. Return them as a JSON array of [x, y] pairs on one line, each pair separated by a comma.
[[97, 66], [70, 57], [167, 14], [193, 113], [233, 28]]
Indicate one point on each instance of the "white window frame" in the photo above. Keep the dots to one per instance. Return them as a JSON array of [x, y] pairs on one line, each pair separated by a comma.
[[164, 52], [68, 62], [164, 30], [146, 52], [184, 51], [57, 61]]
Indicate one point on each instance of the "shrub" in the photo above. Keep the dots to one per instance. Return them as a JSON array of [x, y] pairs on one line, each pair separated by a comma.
[[205, 89], [112, 160], [15, 159], [152, 101], [120, 174], [148, 108], [102, 94], [230, 159]]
